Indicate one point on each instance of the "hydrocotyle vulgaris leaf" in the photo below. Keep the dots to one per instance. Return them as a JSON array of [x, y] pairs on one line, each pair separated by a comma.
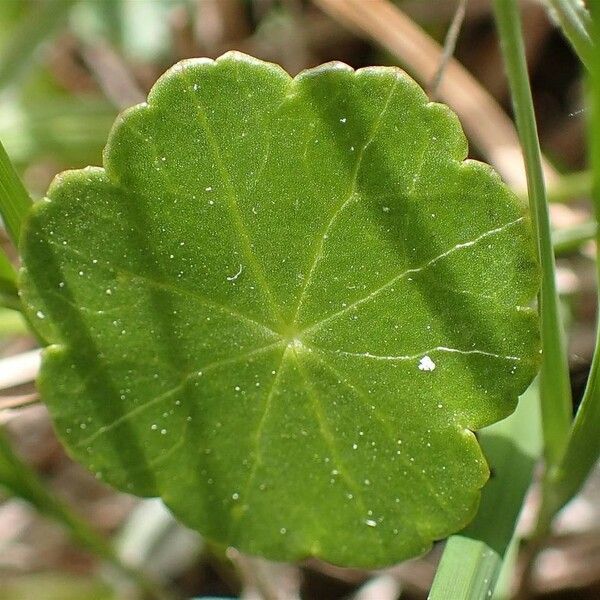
[[283, 305]]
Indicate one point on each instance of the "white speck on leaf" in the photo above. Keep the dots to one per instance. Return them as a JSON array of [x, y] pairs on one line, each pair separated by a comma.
[[234, 277], [426, 364]]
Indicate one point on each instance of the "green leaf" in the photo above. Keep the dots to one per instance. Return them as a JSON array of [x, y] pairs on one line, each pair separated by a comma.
[[283, 306], [574, 20], [14, 204]]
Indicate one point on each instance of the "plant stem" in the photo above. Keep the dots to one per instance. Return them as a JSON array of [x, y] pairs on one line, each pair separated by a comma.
[[555, 392], [583, 448], [14, 199]]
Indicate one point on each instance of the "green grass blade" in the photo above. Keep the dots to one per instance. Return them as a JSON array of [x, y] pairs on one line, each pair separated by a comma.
[[473, 559], [468, 569], [34, 29], [583, 447], [555, 390], [14, 199], [503, 589], [573, 19], [14, 203], [7, 275], [570, 186], [21, 481]]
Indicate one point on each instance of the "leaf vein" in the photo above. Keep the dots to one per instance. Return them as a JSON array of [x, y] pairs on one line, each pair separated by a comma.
[[399, 358], [319, 251], [171, 287], [233, 202], [425, 266], [330, 442], [386, 426], [257, 443], [181, 385]]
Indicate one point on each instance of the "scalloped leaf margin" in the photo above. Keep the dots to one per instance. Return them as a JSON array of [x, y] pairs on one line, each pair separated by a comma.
[[283, 306]]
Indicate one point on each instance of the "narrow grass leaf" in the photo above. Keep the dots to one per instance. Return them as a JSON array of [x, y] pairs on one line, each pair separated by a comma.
[[583, 449], [472, 559], [555, 390], [574, 20], [572, 238], [14, 202]]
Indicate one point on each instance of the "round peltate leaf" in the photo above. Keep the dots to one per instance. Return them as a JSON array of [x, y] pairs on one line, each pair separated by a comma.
[[283, 305]]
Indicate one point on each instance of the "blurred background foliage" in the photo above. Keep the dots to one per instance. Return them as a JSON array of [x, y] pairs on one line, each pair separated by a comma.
[[67, 67]]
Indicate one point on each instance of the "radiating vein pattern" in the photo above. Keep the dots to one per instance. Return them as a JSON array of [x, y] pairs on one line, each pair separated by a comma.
[[283, 305]]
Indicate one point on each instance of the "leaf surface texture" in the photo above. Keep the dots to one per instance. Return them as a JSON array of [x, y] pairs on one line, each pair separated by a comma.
[[283, 305]]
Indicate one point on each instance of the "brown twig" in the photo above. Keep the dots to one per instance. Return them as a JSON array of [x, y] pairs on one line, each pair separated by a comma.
[[112, 74], [21, 401], [449, 45], [219, 22]]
